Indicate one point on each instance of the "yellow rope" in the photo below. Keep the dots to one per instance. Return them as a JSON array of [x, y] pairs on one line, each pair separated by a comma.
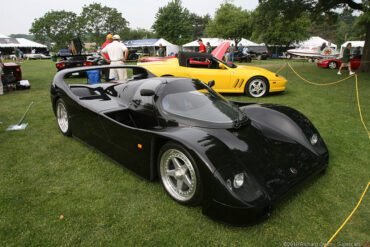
[[317, 84], [282, 67], [349, 216], [359, 109], [367, 131]]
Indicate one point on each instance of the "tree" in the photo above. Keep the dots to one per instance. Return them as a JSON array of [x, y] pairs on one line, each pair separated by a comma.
[[230, 22], [280, 22], [173, 23], [199, 25], [55, 26], [363, 22], [21, 35], [139, 33], [97, 21]]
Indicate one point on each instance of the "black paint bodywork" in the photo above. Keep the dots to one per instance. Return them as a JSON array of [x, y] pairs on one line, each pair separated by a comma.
[[272, 148]]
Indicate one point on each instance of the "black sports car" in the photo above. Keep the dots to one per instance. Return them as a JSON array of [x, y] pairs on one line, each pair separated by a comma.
[[235, 159]]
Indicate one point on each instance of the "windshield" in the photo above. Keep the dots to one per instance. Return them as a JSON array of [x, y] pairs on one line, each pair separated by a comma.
[[193, 100]]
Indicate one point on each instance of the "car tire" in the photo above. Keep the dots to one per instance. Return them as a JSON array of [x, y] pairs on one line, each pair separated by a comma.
[[257, 87], [179, 174], [63, 118], [332, 65]]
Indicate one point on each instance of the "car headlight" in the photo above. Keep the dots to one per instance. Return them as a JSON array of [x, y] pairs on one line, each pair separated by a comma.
[[314, 139], [238, 181]]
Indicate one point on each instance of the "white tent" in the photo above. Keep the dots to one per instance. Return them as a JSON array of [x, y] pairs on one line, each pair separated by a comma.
[[355, 44], [245, 42], [7, 42], [170, 48], [315, 41], [2, 36], [212, 41]]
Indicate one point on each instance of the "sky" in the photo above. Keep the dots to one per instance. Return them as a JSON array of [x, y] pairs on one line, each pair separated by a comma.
[[16, 16]]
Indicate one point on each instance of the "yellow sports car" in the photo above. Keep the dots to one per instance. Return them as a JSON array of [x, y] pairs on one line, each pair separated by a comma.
[[229, 78]]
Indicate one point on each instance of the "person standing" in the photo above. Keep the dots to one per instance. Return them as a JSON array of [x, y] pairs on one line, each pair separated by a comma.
[[161, 51], [231, 54], [18, 54], [202, 47], [118, 54], [346, 59], [208, 48], [108, 40], [1, 73]]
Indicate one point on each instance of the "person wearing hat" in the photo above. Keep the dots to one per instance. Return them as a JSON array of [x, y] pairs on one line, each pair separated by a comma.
[[117, 53], [108, 40]]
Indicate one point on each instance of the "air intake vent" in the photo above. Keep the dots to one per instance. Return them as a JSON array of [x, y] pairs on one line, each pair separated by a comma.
[[238, 83]]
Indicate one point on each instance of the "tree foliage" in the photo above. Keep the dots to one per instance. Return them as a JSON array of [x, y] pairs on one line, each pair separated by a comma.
[[363, 22], [139, 33], [230, 22], [199, 25], [280, 22], [97, 20], [55, 26], [173, 23]]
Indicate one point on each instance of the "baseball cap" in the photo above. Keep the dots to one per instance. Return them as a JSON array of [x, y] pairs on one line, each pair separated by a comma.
[[116, 36], [109, 36]]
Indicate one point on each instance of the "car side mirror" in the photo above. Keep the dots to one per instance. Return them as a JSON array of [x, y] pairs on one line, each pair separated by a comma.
[[221, 66], [147, 92], [211, 83]]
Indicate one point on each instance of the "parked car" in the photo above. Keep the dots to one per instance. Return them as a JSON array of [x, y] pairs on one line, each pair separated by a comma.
[[234, 158], [230, 78], [12, 76], [72, 62], [242, 57], [32, 56], [335, 63], [259, 52]]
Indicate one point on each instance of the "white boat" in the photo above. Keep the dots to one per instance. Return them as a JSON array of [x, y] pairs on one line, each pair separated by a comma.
[[313, 52]]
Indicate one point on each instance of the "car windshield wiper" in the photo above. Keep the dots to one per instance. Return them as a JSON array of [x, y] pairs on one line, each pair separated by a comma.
[[241, 120]]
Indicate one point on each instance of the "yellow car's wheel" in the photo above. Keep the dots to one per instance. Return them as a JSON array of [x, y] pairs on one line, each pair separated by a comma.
[[257, 87]]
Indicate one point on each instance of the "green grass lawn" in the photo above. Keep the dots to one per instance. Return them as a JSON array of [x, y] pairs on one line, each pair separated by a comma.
[[44, 175]]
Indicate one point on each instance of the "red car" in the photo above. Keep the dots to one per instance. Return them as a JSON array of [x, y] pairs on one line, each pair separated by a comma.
[[335, 63], [12, 75]]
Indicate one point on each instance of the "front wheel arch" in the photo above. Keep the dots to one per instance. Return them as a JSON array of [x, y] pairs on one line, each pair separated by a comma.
[[258, 81], [180, 152]]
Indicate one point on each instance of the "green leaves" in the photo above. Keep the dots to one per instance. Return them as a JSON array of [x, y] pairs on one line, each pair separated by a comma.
[[173, 23], [95, 22], [230, 22], [55, 26]]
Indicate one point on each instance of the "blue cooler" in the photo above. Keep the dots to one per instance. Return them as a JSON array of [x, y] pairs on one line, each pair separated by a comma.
[[93, 76]]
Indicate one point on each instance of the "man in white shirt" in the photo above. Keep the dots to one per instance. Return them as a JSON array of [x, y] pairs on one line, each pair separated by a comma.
[[117, 53]]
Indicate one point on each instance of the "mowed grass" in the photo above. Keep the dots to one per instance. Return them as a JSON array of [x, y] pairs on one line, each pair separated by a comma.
[[56, 191]]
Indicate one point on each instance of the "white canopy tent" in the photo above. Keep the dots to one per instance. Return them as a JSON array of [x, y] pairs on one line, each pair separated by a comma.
[[7, 42], [141, 43], [214, 42], [21, 42], [315, 41], [355, 44], [2, 36]]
